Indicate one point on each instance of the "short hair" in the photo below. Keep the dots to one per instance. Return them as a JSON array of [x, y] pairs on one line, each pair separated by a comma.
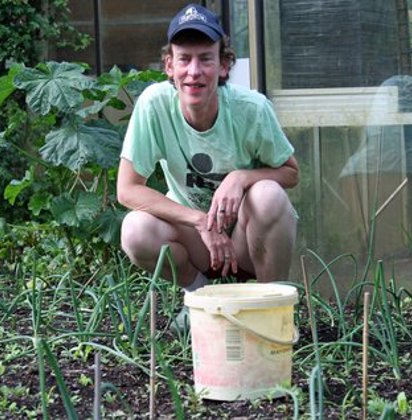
[[226, 53]]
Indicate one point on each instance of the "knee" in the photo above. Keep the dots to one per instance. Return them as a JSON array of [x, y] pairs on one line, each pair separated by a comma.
[[268, 202], [135, 233]]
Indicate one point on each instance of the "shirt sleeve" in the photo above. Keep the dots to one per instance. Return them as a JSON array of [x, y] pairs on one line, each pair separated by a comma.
[[140, 144], [273, 149]]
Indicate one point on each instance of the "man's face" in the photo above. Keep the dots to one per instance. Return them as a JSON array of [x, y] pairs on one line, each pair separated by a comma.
[[195, 69]]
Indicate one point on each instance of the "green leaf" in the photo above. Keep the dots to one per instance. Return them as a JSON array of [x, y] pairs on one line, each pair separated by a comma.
[[63, 209], [71, 212], [134, 80], [87, 205], [75, 145], [17, 186], [64, 392], [6, 82], [109, 224], [136, 87], [92, 109], [117, 104], [402, 401], [112, 82], [39, 201], [53, 84], [151, 75]]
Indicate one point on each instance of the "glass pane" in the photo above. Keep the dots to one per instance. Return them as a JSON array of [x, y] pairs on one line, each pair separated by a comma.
[[132, 32], [338, 43], [339, 74], [354, 181], [239, 26]]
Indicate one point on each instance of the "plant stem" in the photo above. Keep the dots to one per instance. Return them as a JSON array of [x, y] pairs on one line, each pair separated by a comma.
[[153, 301], [42, 376], [312, 321], [365, 344], [391, 197], [97, 386]]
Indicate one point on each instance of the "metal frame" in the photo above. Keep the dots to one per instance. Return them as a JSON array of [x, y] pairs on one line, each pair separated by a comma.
[[257, 45], [98, 42]]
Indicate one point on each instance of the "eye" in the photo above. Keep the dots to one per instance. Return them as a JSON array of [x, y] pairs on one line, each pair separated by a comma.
[[206, 58]]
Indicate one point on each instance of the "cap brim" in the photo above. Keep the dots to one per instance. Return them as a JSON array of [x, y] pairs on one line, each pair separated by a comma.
[[209, 32]]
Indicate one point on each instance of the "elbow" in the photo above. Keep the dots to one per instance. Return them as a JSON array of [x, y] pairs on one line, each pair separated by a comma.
[[121, 196], [294, 174], [292, 179], [295, 179]]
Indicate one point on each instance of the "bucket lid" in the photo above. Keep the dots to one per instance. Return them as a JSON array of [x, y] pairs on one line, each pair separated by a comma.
[[232, 298]]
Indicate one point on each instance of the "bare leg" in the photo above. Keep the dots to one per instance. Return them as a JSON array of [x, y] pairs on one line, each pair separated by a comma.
[[143, 235], [265, 233]]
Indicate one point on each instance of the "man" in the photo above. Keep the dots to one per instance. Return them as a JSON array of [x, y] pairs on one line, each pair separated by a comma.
[[226, 162]]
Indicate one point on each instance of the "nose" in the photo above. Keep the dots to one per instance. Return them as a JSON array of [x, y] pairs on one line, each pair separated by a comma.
[[194, 67]]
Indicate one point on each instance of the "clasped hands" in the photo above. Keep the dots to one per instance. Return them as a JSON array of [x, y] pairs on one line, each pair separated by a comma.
[[221, 216]]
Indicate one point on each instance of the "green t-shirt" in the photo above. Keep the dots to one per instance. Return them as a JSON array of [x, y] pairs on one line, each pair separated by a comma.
[[246, 135]]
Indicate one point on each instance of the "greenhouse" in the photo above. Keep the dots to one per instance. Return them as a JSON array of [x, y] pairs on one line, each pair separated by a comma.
[[86, 334], [338, 73]]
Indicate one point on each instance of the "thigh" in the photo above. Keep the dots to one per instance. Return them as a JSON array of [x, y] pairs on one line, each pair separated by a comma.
[[264, 204], [149, 233], [240, 242]]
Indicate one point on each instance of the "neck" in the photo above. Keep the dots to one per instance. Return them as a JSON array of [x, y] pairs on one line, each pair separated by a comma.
[[201, 119], [200, 122]]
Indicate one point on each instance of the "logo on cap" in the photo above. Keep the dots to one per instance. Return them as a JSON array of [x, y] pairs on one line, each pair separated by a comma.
[[192, 14]]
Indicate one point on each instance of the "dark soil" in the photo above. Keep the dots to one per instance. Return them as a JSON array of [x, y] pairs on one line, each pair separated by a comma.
[[132, 400]]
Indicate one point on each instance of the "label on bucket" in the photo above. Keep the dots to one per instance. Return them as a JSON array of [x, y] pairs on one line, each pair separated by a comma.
[[234, 345], [273, 351]]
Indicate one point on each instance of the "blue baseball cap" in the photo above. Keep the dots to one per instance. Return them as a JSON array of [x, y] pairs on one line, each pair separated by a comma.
[[197, 17]]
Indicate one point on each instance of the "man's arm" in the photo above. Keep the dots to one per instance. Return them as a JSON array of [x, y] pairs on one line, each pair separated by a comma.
[[133, 193], [232, 189], [286, 175]]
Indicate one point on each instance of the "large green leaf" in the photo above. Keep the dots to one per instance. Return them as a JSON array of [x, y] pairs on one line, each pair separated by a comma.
[[134, 81], [109, 224], [16, 186], [54, 85], [6, 82], [75, 145], [70, 211], [39, 201]]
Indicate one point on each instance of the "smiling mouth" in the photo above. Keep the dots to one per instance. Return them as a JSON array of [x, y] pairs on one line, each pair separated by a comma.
[[195, 85]]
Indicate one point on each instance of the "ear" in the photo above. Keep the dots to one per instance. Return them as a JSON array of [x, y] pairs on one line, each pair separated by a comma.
[[224, 69], [169, 66]]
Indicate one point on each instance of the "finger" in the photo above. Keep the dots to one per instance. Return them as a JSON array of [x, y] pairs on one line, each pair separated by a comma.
[[234, 265], [221, 214], [211, 216], [227, 219], [235, 208], [214, 259], [226, 265], [211, 220], [221, 256]]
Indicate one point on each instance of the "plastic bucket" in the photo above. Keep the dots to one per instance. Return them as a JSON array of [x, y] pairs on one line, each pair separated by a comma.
[[242, 338]]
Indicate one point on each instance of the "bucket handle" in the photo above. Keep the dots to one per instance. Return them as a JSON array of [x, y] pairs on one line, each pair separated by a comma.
[[233, 320]]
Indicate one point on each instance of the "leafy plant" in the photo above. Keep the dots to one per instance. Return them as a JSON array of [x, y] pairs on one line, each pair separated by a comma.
[[26, 28], [73, 155]]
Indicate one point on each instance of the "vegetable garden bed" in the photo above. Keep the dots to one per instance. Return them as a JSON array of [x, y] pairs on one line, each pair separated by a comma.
[[53, 326]]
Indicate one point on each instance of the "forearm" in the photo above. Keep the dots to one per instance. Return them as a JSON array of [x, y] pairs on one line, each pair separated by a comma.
[[286, 176], [133, 193], [143, 198]]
